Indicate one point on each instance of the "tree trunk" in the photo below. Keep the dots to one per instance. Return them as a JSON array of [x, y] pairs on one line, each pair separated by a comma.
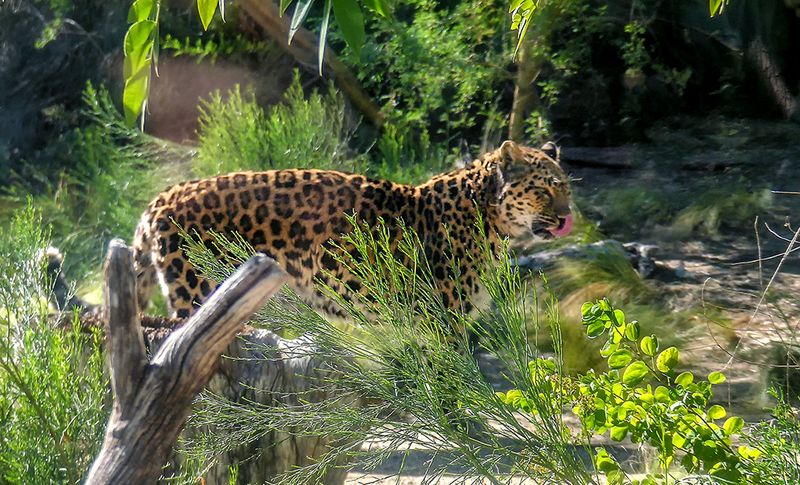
[[305, 49], [771, 79], [526, 99]]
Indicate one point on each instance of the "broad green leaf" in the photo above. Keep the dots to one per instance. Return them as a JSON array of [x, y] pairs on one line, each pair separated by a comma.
[[586, 308], [323, 33], [514, 5], [351, 21], [716, 378], [137, 47], [608, 348], [733, 425], [381, 7], [284, 5], [618, 433], [134, 94], [725, 475], [140, 10], [715, 7], [620, 359], [635, 373], [300, 12], [748, 452], [617, 334], [206, 9], [668, 359], [662, 394], [649, 345], [716, 412], [595, 329], [684, 379], [618, 317], [632, 331], [604, 462]]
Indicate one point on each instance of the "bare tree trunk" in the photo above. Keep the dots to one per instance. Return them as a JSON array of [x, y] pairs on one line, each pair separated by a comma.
[[152, 400], [305, 49], [526, 99], [771, 78]]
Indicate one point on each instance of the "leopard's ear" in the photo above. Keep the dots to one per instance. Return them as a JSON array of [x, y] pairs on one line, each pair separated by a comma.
[[513, 162], [552, 150]]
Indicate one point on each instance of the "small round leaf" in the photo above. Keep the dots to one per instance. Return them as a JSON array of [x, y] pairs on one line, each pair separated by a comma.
[[716, 378], [684, 379], [733, 425], [668, 359], [716, 412], [595, 329], [632, 331], [635, 373], [620, 359], [649, 345], [618, 433]]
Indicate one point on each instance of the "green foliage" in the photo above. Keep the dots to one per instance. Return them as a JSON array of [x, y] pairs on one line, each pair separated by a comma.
[[52, 387], [102, 196], [406, 342], [409, 356], [675, 417], [521, 13], [142, 40], [141, 52], [718, 208], [230, 46], [437, 67], [770, 447], [715, 7], [405, 157], [236, 134]]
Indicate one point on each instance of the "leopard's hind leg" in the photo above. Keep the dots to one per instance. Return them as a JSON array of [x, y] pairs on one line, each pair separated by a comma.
[[143, 264]]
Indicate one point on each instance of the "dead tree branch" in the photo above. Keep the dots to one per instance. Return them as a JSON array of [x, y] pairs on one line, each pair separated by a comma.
[[152, 400]]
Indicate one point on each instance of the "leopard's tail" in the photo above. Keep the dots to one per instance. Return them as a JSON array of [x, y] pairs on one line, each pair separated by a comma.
[[143, 263]]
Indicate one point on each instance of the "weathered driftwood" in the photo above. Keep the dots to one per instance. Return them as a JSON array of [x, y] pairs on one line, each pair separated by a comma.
[[152, 400]]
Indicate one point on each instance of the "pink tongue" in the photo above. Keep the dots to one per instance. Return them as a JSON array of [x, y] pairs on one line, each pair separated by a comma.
[[565, 229]]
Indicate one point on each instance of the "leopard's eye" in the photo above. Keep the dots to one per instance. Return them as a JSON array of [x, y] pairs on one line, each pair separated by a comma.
[[546, 196]]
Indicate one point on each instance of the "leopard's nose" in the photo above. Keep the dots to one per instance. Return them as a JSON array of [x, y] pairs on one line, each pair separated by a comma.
[[561, 207]]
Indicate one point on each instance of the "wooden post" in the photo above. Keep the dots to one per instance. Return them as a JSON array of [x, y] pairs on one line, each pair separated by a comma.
[[152, 400]]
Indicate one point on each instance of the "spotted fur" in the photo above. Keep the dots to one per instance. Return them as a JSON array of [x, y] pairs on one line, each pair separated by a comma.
[[295, 216]]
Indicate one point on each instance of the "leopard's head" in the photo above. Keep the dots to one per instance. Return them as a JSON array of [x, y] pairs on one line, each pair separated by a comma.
[[533, 193]]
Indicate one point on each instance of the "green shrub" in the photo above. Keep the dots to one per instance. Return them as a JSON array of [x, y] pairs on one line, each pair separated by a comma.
[[236, 134], [53, 390], [410, 356], [771, 451], [437, 67], [407, 158], [112, 178]]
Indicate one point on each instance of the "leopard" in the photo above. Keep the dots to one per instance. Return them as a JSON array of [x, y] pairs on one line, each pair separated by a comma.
[[299, 218]]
